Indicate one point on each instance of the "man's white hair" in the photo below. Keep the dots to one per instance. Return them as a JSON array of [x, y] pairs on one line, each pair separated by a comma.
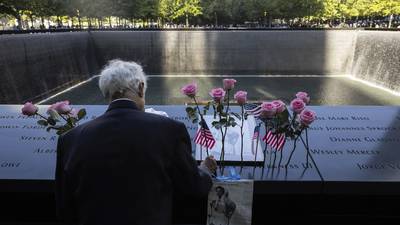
[[120, 76]]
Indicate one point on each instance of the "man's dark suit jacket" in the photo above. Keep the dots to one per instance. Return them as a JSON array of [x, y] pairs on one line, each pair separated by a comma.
[[124, 168]]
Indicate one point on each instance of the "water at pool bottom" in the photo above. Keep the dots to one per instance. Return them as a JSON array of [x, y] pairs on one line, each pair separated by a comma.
[[323, 90]]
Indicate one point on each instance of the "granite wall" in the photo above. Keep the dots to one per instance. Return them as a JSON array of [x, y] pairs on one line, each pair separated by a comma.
[[35, 65]]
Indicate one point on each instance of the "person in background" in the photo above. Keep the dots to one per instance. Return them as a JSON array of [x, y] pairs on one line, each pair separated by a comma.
[[125, 166]]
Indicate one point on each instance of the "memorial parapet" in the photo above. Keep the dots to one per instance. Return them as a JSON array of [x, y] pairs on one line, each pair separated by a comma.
[[350, 144]]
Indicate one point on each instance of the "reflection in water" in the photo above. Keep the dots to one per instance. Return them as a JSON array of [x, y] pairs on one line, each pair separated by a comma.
[[324, 90]]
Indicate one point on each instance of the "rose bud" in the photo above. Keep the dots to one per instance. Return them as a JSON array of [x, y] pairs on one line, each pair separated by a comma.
[[190, 90], [241, 97], [29, 109], [297, 105], [217, 94], [268, 110], [229, 84]]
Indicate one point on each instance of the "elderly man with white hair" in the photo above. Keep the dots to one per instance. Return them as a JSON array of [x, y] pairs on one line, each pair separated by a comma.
[[125, 166]]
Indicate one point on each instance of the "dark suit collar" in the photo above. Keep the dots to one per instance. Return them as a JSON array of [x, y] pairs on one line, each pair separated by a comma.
[[122, 103]]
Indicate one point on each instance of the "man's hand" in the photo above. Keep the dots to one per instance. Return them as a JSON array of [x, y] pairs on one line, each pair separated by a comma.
[[210, 165]]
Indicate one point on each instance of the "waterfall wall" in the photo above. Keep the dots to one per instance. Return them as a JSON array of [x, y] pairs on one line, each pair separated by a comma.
[[35, 65], [377, 58]]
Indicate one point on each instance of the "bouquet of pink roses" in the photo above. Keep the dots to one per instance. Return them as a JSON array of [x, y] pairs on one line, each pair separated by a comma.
[[282, 123], [223, 116], [60, 116]]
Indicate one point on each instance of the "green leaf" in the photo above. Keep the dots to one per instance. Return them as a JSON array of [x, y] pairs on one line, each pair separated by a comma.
[[67, 126], [72, 121], [43, 123], [52, 121], [233, 123], [216, 124], [190, 110], [207, 106], [283, 117], [53, 114], [81, 114], [191, 113], [286, 113], [215, 112]]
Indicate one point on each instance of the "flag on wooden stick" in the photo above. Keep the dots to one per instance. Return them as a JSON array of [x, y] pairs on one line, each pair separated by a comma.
[[204, 136]]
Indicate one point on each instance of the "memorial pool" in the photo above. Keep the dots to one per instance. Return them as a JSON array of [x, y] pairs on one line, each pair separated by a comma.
[[324, 90]]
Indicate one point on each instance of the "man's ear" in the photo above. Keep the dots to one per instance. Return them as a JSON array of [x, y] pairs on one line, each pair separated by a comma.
[[141, 90]]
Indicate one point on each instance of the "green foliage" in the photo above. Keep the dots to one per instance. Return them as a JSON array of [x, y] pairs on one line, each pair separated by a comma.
[[209, 11], [61, 123], [43, 123], [206, 108], [176, 9], [192, 114], [81, 114]]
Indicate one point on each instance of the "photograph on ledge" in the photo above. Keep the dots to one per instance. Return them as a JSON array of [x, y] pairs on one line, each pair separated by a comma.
[[252, 144], [229, 203]]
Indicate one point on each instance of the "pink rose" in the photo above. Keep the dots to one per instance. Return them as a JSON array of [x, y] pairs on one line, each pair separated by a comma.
[[280, 106], [306, 117], [29, 109], [229, 84], [217, 94], [241, 97], [303, 96], [190, 90], [61, 107], [297, 105], [268, 109]]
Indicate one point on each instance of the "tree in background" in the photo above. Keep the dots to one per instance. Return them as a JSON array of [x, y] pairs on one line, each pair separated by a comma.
[[14, 8], [148, 10], [216, 11], [99, 13], [386, 8], [176, 9]]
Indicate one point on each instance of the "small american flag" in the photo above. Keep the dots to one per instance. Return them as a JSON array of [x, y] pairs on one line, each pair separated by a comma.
[[204, 136], [276, 141], [253, 109], [256, 133]]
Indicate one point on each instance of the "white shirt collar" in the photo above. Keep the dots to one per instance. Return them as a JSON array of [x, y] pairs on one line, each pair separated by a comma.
[[122, 99]]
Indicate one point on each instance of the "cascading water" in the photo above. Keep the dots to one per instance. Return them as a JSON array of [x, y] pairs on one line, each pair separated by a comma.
[[34, 64], [376, 58]]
